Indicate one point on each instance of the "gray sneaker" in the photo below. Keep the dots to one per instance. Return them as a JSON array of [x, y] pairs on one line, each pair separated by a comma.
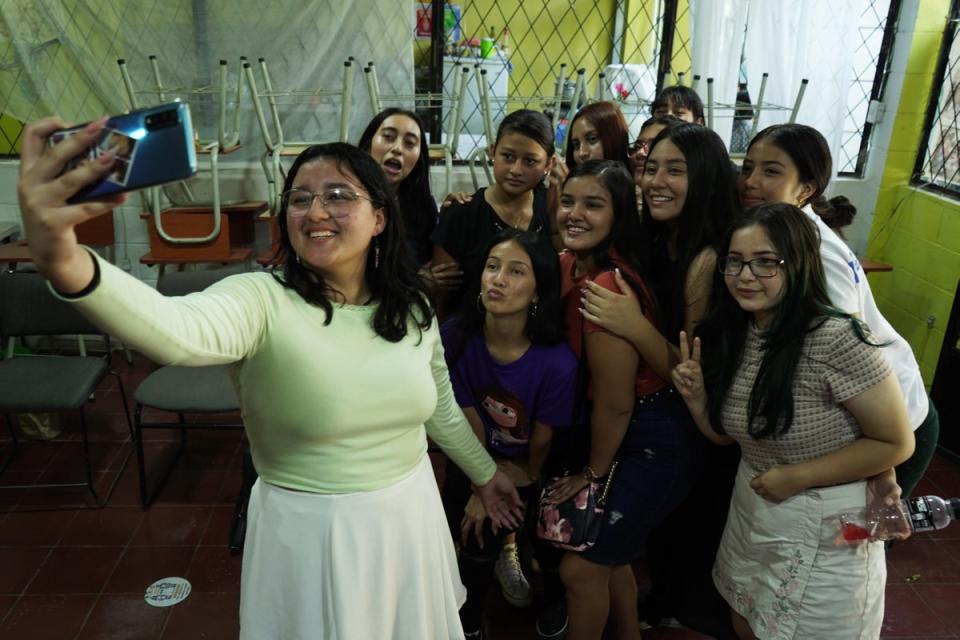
[[513, 584]]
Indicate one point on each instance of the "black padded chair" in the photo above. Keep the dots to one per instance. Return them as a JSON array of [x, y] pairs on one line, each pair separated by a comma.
[[183, 390], [49, 383]]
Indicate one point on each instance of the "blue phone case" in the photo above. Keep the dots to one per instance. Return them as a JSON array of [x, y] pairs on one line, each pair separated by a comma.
[[153, 146]]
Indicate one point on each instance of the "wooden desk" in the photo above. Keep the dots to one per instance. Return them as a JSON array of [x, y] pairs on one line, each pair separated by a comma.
[[14, 253], [236, 255], [871, 266], [236, 229]]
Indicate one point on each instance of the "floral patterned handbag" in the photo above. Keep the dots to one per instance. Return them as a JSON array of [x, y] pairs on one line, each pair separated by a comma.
[[575, 523]]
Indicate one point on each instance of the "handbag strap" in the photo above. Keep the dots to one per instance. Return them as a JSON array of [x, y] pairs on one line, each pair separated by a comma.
[[606, 485]]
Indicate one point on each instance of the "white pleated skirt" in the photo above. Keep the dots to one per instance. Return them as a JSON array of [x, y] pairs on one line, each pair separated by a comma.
[[377, 565], [784, 568]]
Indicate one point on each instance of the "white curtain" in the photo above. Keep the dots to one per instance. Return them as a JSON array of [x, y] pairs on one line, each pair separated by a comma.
[[716, 31], [812, 39]]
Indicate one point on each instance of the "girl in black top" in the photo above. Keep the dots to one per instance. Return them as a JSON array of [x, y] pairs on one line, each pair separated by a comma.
[[522, 155]]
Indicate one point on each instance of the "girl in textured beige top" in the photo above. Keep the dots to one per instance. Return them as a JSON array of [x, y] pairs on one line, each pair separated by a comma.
[[814, 406]]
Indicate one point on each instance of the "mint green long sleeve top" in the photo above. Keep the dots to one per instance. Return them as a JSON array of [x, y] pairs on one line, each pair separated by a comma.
[[328, 408]]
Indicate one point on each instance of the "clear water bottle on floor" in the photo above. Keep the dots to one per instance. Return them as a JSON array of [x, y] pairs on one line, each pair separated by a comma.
[[923, 513]]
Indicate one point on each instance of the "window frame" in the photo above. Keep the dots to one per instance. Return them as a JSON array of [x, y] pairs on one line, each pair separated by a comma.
[[933, 106]]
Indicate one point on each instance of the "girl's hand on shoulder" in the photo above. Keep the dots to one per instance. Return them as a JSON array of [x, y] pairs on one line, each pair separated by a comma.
[[778, 483], [442, 277], [460, 197], [688, 375], [48, 219], [618, 313]]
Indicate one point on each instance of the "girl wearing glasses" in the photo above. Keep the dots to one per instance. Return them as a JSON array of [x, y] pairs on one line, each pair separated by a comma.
[[807, 394], [791, 163], [635, 417], [345, 515]]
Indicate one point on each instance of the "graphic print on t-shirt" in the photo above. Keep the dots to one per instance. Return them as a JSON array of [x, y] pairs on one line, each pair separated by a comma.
[[508, 418]]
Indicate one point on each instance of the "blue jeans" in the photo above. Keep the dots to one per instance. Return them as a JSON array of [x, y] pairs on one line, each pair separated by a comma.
[[653, 475]]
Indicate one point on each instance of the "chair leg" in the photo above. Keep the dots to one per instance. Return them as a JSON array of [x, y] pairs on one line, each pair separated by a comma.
[[126, 407], [13, 439], [86, 456], [138, 441]]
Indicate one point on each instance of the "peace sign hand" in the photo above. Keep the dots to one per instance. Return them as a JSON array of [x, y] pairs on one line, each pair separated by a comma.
[[688, 376]]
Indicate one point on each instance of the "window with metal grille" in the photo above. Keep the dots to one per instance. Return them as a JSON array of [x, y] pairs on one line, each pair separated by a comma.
[[938, 163], [876, 29]]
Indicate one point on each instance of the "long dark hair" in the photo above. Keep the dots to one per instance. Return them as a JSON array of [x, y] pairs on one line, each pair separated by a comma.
[[545, 325], [803, 308], [416, 201], [710, 205], [810, 153], [611, 128], [399, 291], [625, 233]]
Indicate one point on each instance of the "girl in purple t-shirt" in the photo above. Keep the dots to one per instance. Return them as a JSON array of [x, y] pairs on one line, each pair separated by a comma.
[[515, 379]]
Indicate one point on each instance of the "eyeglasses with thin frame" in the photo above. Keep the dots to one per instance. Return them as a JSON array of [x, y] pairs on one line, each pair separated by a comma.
[[337, 202], [759, 267]]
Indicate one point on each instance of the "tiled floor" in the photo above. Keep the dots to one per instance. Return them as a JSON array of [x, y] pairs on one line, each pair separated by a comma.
[[75, 573]]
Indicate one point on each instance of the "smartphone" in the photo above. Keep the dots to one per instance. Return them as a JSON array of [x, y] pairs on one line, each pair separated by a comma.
[[152, 146]]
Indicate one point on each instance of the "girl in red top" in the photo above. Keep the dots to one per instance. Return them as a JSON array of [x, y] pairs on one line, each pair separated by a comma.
[[636, 418]]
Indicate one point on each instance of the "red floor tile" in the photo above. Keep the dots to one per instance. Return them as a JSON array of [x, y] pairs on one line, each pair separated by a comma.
[[190, 486], [10, 497], [947, 479], [214, 569], [212, 616], [142, 566], [75, 570], [944, 600], [46, 617], [172, 526], [907, 615], [34, 456], [40, 529], [127, 491], [113, 526], [218, 529], [124, 617], [19, 566], [922, 561], [6, 604], [230, 490], [104, 456]]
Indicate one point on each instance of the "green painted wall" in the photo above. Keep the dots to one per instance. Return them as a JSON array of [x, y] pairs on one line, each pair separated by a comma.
[[916, 231]]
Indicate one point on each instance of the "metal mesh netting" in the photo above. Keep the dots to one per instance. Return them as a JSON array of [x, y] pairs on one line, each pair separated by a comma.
[[941, 156], [60, 57], [534, 40], [871, 28]]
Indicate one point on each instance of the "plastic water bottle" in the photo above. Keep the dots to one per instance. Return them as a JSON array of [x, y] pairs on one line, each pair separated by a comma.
[[911, 515]]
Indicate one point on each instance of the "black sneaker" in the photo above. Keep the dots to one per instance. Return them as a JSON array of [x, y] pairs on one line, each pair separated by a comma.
[[552, 621]]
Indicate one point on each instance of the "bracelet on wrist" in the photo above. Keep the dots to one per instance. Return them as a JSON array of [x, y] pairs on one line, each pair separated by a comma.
[[589, 474]]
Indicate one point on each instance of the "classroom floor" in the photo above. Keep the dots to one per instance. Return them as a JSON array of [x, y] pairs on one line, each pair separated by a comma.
[[75, 573]]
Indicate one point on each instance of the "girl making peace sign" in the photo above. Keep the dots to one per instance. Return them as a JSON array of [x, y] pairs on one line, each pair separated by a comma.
[[807, 395]]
